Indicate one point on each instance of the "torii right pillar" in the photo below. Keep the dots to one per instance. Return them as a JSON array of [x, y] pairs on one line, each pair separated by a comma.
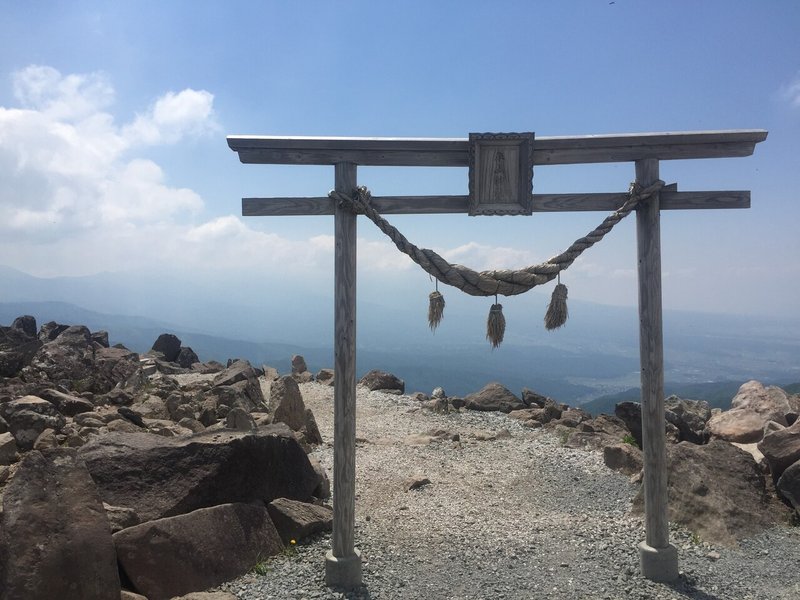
[[658, 558]]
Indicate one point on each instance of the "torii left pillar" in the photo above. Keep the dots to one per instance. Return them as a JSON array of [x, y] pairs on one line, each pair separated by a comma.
[[343, 561]]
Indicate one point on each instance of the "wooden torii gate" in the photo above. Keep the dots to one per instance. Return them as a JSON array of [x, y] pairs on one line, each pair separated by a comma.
[[658, 558]]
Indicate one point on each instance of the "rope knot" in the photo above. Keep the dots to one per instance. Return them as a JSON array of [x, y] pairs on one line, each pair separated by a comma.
[[354, 202]]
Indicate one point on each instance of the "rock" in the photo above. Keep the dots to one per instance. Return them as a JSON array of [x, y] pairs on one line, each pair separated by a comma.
[[196, 551], [531, 398], [323, 489], [415, 482], [192, 424], [297, 520], [132, 416], [631, 414], [310, 430], [788, 485], [690, 417], [428, 437], [17, 349], [240, 420], [493, 396], [26, 324], [128, 595], [571, 418], [717, 491], [168, 345], [47, 439], [380, 380], [298, 364], [100, 338], [624, 458], [50, 331], [159, 477], [67, 552], [438, 393], [186, 357], [120, 517], [752, 407], [286, 403], [781, 449], [238, 385], [67, 404], [271, 373], [8, 449], [28, 417], [325, 376]]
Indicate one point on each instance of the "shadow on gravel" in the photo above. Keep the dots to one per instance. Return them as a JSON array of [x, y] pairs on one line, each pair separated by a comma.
[[685, 586], [359, 593]]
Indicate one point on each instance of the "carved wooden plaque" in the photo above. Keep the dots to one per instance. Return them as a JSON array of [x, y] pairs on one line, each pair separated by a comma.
[[500, 173]]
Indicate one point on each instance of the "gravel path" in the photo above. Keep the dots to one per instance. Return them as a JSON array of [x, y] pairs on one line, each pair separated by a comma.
[[514, 517]]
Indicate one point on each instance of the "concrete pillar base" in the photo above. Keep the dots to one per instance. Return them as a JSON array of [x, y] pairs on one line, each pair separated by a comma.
[[659, 564], [343, 571]]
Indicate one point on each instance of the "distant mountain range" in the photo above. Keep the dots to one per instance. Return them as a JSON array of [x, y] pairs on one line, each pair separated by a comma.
[[595, 355]]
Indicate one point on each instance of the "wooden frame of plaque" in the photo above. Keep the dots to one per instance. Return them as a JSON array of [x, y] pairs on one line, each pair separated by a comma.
[[500, 173]]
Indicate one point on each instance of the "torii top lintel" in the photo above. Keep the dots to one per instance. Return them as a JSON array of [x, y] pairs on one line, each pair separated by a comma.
[[451, 152], [454, 152]]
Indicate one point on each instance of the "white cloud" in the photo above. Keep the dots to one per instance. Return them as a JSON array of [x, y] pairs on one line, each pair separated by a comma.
[[66, 165], [480, 257], [174, 116], [45, 90], [791, 92]]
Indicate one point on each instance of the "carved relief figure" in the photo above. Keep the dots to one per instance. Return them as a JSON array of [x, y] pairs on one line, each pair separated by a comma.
[[500, 187]]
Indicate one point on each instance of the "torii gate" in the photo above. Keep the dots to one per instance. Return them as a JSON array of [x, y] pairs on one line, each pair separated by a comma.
[[658, 558]]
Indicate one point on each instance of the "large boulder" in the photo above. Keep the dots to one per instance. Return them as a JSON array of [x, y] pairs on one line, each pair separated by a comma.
[[192, 552], [161, 477], [781, 448], [381, 380], [717, 491], [494, 396], [751, 409], [28, 417], [168, 345], [58, 537]]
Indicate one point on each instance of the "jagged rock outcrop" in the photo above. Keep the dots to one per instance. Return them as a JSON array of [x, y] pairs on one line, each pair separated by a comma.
[[195, 551], [161, 477], [56, 532]]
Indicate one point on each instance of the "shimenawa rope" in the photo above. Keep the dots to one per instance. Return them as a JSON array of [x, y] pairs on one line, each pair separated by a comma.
[[504, 282]]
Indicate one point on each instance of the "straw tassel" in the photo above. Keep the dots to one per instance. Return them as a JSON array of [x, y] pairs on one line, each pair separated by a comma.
[[495, 325], [557, 310], [435, 309]]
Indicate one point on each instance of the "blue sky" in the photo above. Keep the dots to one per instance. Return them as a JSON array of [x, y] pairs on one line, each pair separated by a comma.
[[113, 119]]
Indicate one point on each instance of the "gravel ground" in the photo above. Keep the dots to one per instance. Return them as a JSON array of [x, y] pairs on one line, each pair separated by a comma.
[[514, 517]]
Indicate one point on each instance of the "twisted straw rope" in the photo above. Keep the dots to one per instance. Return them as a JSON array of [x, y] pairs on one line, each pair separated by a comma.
[[505, 282]]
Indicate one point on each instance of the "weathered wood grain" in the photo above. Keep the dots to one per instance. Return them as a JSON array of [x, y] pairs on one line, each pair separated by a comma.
[[651, 356], [399, 205], [344, 442], [455, 152]]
